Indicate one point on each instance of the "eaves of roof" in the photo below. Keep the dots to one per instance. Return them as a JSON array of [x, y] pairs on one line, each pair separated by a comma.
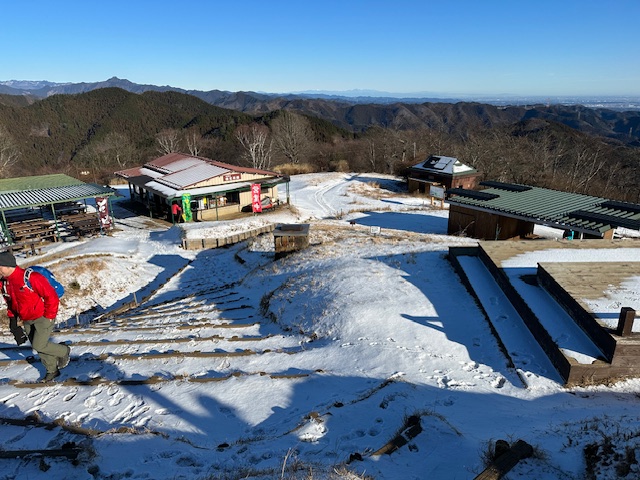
[[544, 206], [170, 192], [48, 196], [456, 173]]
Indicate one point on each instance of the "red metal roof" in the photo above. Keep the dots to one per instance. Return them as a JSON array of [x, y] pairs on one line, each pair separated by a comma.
[[169, 161]]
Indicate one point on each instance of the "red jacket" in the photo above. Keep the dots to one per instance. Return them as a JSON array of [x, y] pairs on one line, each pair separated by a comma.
[[27, 304]]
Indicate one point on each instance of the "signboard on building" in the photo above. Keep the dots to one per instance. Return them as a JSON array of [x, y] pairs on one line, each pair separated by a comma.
[[256, 204], [232, 177]]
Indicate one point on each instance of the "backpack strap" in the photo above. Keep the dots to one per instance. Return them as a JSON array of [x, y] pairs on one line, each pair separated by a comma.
[[27, 274]]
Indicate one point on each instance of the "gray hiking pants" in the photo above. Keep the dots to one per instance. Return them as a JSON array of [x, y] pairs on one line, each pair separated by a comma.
[[39, 332]]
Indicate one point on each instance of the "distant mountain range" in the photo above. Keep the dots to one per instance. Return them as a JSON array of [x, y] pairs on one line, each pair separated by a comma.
[[357, 111], [43, 88]]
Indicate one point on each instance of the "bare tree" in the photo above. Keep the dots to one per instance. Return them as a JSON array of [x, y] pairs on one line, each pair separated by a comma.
[[372, 155], [9, 152], [169, 141], [117, 149], [257, 147], [193, 142], [391, 148], [546, 156], [587, 163], [101, 158], [292, 135]]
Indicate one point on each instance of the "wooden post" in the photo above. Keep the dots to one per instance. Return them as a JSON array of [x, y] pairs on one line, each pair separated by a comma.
[[506, 461], [70, 452], [625, 321]]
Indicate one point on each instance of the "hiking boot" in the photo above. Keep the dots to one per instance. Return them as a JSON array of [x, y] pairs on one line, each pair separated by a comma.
[[50, 376], [64, 360]]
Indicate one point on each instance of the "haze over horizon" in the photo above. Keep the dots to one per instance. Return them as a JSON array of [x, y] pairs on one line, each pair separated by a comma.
[[462, 48]]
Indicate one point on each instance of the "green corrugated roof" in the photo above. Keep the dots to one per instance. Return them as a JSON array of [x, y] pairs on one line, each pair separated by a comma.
[[37, 182], [550, 207], [22, 192]]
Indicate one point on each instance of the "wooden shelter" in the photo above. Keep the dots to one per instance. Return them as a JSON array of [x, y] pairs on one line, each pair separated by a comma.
[[40, 209]]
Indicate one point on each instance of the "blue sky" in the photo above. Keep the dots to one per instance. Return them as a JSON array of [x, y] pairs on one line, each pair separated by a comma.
[[475, 47]]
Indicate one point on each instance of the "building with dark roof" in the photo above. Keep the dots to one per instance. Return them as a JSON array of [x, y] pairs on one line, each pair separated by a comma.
[[443, 172], [211, 190], [504, 211]]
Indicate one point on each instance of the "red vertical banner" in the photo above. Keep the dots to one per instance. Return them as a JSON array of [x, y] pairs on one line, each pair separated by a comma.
[[256, 204], [103, 212]]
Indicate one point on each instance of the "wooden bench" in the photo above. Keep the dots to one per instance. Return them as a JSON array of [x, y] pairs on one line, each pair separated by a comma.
[[25, 229], [43, 231], [31, 247], [73, 217], [87, 226], [27, 223], [13, 216], [69, 208]]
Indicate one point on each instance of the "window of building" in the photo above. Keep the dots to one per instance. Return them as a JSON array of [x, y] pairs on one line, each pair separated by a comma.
[[222, 200], [233, 198]]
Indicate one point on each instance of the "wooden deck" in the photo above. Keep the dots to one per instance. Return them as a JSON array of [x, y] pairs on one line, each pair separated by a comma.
[[585, 281], [500, 251], [581, 280], [572, 284]]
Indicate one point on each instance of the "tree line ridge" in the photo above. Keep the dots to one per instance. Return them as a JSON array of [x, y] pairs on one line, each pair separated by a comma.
[[108, 128]]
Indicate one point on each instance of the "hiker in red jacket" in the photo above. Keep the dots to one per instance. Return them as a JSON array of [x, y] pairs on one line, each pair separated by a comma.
[[37, 307], [176, 211]]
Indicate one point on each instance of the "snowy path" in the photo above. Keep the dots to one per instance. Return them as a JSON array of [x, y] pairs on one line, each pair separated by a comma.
[[244, 366]]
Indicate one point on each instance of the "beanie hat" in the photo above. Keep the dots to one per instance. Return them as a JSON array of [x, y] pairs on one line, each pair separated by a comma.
[[7, 259]]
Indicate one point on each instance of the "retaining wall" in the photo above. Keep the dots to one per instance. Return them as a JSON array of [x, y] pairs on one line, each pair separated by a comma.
[[202, 243]]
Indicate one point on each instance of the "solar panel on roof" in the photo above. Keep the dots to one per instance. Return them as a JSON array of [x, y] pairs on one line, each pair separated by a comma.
[[605, 219], [472, 194], [627, 207], [441, 163], [510, 187]]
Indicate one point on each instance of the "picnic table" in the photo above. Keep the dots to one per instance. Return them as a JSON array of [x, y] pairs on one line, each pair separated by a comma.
[[84, 224], [87, 227], [33, 229], [72, 217], [69, 208], [13, 216]]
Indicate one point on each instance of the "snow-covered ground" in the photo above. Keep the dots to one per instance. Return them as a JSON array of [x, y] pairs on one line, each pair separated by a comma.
[[235, 365]]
